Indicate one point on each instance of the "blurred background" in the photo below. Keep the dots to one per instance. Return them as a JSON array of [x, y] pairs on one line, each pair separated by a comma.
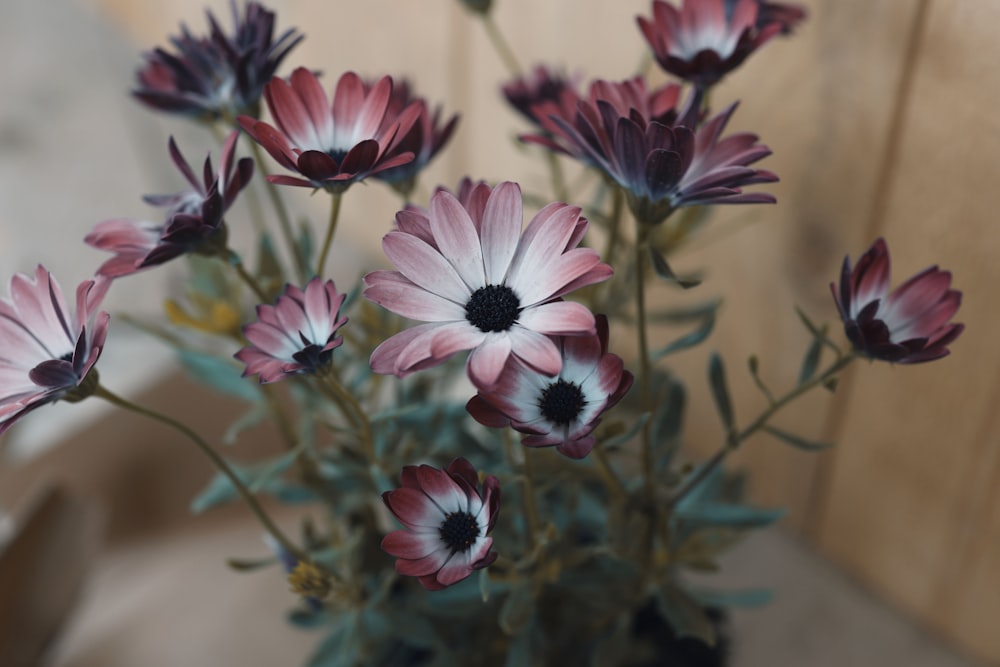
[[883, 119]]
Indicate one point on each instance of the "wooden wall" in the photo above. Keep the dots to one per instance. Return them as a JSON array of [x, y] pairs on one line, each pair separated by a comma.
[[883, 118]]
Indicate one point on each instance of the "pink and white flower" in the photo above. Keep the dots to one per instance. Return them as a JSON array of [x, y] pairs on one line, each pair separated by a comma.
[[700, 42], [48, 351], [447, 519], [481, 285], [296, 335], [331, 145], [562, 411], [909, 325]]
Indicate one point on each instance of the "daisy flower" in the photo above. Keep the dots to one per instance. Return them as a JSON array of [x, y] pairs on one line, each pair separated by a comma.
[[701, 42], [447, 519], [560, 411], [333, 145], [48, 351], [908, 325], [481, 285], [219, 75], [296, 335]]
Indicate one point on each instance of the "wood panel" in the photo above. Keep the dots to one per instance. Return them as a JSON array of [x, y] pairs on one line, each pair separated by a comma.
[[868, 140], [912, 503]]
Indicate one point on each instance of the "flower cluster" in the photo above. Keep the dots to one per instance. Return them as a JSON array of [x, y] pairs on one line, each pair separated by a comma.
[[533, 310]]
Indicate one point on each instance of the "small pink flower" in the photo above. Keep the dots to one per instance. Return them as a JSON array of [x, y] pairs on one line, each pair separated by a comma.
[[331, 145], [562, 411], [447, 519], [194, 220], [909, 325], [48, 351], [296, 335], [483, 286], [542, 86], [699, 42]]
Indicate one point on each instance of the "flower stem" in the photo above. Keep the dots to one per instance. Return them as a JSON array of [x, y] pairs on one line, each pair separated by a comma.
[[733, 442], [251, 282], [282, 212], [331, 228], [351, 409], [502, 48], [530, 508], [641, 251], [219, 463]]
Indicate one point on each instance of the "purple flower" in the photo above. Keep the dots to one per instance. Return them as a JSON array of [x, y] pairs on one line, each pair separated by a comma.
[[909, 325], [702, 42], [560, 411], [542, 86], [48, 351], [447, 518], [194, 220], [219, 75], [481, 285], [296, 335], [661, 164], [787, 16], [332, 146], [426, 137]]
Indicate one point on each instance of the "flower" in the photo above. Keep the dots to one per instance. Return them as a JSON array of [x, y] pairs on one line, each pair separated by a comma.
[[48, 351], [661, 164], [788, 16], [541, 86], [216, 76], [481, 285], [562, 411], [700, 43], [447, 519], [194, 221], [425, 138], [295, 335], [331, 146], [909, 325]]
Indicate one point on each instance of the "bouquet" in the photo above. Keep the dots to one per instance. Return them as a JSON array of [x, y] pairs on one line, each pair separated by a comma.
[[490, 423]]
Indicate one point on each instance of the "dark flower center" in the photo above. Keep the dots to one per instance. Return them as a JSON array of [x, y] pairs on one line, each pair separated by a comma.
[[312, 356], [493, 308], [459, 531], [338, 155], [562, 402]]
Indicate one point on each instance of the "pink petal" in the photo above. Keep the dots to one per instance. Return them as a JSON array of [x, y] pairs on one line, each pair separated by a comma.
[[409, 545], [500, 230], [487, 361], [536, 350], [558, 318], [426, 267], [413, 508], [429, 564], [457, 239]]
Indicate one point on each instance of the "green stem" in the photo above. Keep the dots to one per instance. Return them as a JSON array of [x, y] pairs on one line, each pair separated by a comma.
[[558, 178], [530, 508], [611, 478], [732, 443], [351, 409], [331, 228], [279, 208], [219, 463], [641, 252], [502, 48], [251, 282]]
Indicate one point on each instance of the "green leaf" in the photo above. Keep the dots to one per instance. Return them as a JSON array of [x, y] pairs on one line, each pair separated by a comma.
[[250, 564], [698, 311], [810, 362], [306, 243], [729, 516], [754, 365], [484, 583], [208, 277], [262, 477], [797, 441], [254, 416], [696, 337], [685, 615], [663, 270], [340, 647], [720, 391], [622, 438], [223, 375], [754, 597], [668, 424]]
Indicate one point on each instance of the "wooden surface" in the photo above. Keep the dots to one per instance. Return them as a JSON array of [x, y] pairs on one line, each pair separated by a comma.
[[883, 118]]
